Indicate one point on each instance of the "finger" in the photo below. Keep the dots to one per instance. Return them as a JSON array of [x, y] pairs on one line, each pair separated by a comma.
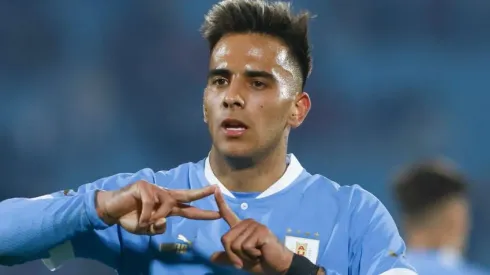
[[249, 254], [166, 205], [191, 212], [228, 239], [192, 194], [251, 246], [159, 227], [147, 206], [221, 258], [225, 210]]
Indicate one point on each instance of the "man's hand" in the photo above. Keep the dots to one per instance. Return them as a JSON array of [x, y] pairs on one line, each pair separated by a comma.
[[250, 245], [142, 207]]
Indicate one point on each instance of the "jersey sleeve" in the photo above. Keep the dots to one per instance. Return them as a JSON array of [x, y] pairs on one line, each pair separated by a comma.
[[62, 225], [376, 246]]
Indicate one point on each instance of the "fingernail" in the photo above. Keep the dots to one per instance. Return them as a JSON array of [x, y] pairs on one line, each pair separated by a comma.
[[160, 222], [238, 266]]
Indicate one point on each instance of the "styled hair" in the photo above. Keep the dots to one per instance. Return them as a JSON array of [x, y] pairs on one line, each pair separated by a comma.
[[258, 16], [424, 186]]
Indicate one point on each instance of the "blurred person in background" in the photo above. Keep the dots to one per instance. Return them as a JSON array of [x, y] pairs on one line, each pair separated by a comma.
[[264, 217], [433, 197]]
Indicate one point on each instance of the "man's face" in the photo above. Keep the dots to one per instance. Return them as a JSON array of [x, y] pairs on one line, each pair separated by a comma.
[[253, 94]]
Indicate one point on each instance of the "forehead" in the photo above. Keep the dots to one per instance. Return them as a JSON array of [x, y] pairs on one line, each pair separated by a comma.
[[251, 51]]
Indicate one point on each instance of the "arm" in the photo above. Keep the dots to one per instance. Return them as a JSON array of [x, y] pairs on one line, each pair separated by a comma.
[[61, 225], [376, 246]]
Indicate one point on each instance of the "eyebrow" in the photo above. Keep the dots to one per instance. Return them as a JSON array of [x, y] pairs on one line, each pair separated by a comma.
[[248, 73]]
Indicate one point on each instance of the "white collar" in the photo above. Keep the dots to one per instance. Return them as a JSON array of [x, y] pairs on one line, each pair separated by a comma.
[[293, 171], [446, 256], [450, 257]]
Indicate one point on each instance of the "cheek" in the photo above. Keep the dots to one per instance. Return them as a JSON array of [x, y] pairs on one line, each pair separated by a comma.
[[210, 102], [272, 117]]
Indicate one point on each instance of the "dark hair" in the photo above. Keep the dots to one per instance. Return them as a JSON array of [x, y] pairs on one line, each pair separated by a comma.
[[258, 16], [426, 185]]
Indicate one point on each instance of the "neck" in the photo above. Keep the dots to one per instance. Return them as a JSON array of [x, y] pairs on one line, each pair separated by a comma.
[[429, 240], [422, 242], [254, 174]]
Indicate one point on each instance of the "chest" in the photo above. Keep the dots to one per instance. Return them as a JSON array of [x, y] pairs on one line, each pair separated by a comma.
[[316, 232]]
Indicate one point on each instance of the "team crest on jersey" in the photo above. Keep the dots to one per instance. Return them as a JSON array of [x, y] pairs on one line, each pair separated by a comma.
[[308, 248], [301, 248], [178, 248]]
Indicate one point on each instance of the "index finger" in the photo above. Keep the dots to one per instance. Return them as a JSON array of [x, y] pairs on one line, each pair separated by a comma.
[[192, 194], [194, 213], [225, 211]]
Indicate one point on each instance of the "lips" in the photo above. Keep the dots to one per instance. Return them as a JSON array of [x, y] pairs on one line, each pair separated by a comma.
[[233, 127]]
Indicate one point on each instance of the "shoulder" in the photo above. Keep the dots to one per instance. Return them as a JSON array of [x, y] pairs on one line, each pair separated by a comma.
[[160, 177], [176, 177], [356, 205], [353, 196], [179, 177], [120, 180]]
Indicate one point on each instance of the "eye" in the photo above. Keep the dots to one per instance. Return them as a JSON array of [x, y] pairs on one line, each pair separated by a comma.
[[220, 81], [258, 84]]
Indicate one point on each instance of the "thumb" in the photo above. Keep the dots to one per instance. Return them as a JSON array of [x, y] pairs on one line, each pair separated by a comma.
[[221, 258], [159, 227]]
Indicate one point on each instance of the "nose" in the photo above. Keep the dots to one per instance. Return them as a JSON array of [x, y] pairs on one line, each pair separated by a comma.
[[233, 98]]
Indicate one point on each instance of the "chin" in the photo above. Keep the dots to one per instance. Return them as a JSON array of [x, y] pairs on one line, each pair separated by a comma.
[[236, 153], [236, 150]]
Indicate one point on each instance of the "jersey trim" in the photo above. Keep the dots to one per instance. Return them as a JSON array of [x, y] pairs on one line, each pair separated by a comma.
[[399, 271], [293, 171]]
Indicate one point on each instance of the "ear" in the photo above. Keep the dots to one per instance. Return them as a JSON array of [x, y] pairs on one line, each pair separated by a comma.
[[204, 109], [300, 109], [205, 114]]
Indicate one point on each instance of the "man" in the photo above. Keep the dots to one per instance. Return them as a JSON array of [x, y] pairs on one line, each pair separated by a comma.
[[435, 209], [154, 223]]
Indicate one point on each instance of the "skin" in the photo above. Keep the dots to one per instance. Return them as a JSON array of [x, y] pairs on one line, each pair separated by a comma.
[[250, 245], [252, 78], [445, 227], [142, 207]]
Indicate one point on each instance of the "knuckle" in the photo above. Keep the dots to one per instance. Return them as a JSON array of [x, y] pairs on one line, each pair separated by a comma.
[[235, 247], [225, 239], [153, 187], [247, 246], [170, 201], [164, 192], [262, 229], [139, 186], [140, 183]]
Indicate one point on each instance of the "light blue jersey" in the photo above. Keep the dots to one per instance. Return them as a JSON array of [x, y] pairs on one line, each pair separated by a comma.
[[429, 262], [344, 229]]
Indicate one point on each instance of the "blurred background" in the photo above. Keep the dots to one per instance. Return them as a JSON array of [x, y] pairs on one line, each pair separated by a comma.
[[92, 88]]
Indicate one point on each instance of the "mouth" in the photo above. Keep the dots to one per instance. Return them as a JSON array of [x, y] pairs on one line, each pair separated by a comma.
[[233, 127]]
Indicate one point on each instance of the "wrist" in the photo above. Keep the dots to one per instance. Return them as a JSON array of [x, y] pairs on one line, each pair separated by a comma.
[[300, 265], [101, 199], [93, 220], [287, 259]]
